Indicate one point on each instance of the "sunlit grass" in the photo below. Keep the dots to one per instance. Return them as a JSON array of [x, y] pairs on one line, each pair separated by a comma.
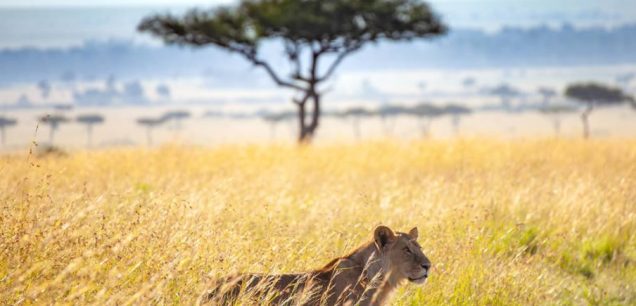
[[521, 222]]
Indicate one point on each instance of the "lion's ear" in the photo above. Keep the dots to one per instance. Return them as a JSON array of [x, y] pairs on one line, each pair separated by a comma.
[[413, 233], [383, 236]]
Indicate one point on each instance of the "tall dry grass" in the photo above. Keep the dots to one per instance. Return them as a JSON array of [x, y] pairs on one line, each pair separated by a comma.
[[520, 222]]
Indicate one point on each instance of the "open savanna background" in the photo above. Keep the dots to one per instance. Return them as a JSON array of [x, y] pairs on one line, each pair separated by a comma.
[[504, 222], [148, 147]]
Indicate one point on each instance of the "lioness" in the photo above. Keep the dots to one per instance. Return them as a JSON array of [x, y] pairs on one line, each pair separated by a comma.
[[364, 277]]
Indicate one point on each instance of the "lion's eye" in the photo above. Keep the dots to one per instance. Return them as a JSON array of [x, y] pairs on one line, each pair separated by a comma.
[[407, 250]]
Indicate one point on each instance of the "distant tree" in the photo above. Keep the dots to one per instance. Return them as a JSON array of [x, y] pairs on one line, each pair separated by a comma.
[[555, 113], [6, 122], [53, 121], [176, 117], [89, 120], [356, 114], [593, 95], [273, 119], [309, 30], [506, 93], [547, 94], [388, 115], [456, 112], [426, 113], [150, 124]]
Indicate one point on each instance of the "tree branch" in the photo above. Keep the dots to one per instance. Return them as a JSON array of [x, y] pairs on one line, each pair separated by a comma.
[[304, 99], [337, 61], [250, 55], [293, 54], [274, 76]]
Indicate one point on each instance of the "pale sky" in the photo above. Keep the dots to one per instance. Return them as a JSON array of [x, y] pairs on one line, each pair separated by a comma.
[[624, 8], [56, 23], [535, 4], [92, 3]]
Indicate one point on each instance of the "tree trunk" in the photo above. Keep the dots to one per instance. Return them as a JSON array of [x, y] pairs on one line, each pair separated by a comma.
[[585, 120], [302, 129], [315, 116], [307, 130], [149, 136], [89, 135], [51, 134]]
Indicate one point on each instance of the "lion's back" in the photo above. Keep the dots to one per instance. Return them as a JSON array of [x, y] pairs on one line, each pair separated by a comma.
[[274, 289]]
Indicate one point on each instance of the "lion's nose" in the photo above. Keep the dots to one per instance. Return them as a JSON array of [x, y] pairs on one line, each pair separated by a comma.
[[426, 266]]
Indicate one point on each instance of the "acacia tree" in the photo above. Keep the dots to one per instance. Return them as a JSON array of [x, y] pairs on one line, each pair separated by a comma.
[[426, 113], [546, 94], [388, 115], [310, 31], [356, 114], [273, 119], [594, 95], [53, 121], [89, 120], [506, 93], [555, 112], [5, 123], [150, 124], [177, 117], [456, 111]]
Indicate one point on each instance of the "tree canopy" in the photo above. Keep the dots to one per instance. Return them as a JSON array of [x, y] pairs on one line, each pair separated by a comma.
[[5, 121], [557, 109], [277, 117], [426, 110], [456, 109], [150, 122], [597, 93], [90, 119], [594, 95], [53, 120], [357, 111], [176, 115], [329, 26]]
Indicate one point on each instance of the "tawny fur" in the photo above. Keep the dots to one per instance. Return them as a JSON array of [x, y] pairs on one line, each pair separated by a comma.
[[366, 276]]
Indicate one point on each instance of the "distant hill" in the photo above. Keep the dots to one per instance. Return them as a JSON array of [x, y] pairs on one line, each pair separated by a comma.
[[513, 47], [462, 48]]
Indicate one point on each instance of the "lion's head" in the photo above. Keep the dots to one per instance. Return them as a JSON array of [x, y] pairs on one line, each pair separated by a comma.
[[401, 255]]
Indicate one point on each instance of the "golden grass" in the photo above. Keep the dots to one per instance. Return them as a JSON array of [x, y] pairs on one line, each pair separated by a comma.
[[520, 222]]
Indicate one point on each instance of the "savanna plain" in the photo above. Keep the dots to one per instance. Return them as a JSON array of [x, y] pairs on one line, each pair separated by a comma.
[[515, 222]]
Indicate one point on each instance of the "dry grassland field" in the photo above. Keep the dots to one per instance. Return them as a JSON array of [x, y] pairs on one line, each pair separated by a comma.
[[521, 222]]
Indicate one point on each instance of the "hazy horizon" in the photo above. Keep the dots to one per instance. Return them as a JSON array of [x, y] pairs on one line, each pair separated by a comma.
[[89, 55]]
